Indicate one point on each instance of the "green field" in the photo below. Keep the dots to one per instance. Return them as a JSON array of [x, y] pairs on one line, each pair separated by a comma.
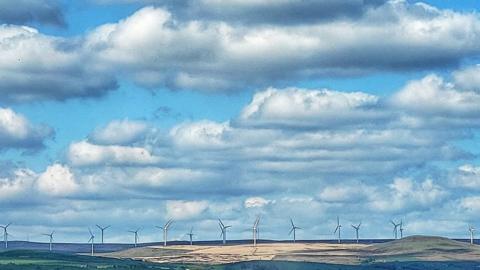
[[40, 260], [35, 260]]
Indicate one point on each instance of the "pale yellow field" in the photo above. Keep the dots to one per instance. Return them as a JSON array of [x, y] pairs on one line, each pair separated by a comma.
[[413, 248]]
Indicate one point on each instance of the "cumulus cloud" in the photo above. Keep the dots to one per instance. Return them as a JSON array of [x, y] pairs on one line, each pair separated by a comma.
[[17, 185], [223, 57], [319, 108], [120, 132], [57, 180], [405, 194], [84, 153], [255, 202], [32, 11], [468, 78], [433, 96], [185, 209], [466, 176], [34, 66], [276, 164], [17, 132]]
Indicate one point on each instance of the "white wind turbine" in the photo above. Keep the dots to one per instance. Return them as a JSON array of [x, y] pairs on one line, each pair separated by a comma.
[[255, 231], [401, 229], [223, 230], [91, 240], [5, 234], [338, 228], [395, 228], [294, 230], [471, 230], [357, 228], [165, 231], [50, 235], [190, 234], [102, 229], [135, 235]]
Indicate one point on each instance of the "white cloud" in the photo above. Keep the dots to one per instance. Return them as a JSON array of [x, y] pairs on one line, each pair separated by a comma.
[[256, 202], [214, 55], [471, 203], [17, 131], [468, 78], [57, 180], [302, 107], [120, 132], [34, 66], [17, 186], [84, 153], [433, 96], [181, 210], [404, 194], [202, 134], [467, 176]]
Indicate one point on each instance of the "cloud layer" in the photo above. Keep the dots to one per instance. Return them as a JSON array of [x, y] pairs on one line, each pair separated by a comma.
[[350, 154], [211, 53]]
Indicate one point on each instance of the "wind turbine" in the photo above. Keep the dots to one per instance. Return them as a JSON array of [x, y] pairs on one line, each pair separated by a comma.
[[51, 239], [395, 228], [103, 229], [401, 229], [357, 228], [92, 239], [471, 230], [136, 235], [338, 228], [5, 234], [294, 230], [190, 234], [223, 230], [255, 231], [165, 231]]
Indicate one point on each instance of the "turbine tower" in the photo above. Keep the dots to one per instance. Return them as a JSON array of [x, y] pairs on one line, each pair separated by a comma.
[[357, 228], [401, 229], [294, 230], [223, 230], [103, 229], [136, 236], [255, 231], [190, 234], [395, 228], [50, 235], [5, 234], [471, 230], [338, 228], [91, 240], [165, 231]]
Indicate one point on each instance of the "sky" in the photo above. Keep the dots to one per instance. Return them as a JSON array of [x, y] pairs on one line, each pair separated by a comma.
[[132, 112]]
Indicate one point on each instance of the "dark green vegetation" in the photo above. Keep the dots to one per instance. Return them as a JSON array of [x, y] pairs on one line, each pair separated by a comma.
[[42, 260], [39, 260], [279, 265]]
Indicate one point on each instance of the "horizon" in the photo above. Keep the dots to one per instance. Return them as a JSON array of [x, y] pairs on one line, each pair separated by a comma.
[[134, 112]]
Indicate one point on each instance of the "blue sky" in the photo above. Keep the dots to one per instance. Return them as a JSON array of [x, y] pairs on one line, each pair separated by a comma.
[[111, 110]]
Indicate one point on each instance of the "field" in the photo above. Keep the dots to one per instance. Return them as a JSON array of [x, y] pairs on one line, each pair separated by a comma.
[[417, 248], [410, 253]]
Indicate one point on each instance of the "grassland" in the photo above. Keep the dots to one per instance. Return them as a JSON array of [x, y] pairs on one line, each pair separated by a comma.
[[411, 253]]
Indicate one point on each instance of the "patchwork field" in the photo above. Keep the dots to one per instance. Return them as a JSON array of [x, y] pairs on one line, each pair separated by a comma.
[[416, 248]]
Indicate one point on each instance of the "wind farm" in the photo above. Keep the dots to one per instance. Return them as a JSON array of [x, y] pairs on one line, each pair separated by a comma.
[[239, 134], [340, 251]]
